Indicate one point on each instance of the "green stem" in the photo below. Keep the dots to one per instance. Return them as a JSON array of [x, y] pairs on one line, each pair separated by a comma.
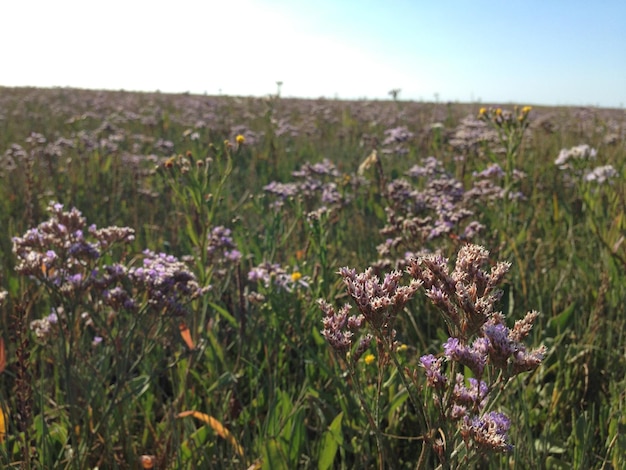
[[421, 413], [368, 413]]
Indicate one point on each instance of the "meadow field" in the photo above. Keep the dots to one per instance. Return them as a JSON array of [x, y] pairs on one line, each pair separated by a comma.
[[193, 282]]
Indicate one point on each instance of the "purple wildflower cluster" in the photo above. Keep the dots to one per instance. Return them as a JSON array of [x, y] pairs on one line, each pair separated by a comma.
[[44, 327], [396, 141], [434, 206], [479, 340], [487, 187], [251, 137], [63, 250], [66, 256], [572, 158], [574, 163], [316, 185], [283, 128], [38, 145], [378, 304], [222, 252], [269, 275], [417, 215], [471, 134], [488, 432], [167, 282], [601, 174], [340, 328], [60, 154]]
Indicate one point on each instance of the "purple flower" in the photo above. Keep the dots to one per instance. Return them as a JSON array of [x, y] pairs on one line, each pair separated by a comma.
[[579, 153], [168, 282], [316, 183], [601, 174], [474, 396], [233, 255], [492, 171], [432, 366], [378, 302], [489, 432], [339, 326], [324, 168], [283, 190], [474, 357], [500, 346], [222, 253], [75, 279]]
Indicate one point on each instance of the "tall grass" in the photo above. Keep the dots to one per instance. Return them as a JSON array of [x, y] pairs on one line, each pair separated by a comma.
[[195, 339]]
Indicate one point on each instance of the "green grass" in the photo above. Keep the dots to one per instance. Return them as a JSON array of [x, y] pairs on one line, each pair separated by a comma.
[[259, 366]]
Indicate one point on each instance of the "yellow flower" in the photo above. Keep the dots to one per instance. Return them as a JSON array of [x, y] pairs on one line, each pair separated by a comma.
[[295, 276], [369, 359], [482, 111], [526, 109], [498, 112], [240, 139], [402, 348]]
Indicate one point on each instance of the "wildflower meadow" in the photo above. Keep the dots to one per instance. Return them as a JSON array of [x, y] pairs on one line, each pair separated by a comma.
[[192, 282]]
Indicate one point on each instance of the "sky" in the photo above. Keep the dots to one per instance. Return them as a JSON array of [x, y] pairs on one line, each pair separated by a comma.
[[550, 52]]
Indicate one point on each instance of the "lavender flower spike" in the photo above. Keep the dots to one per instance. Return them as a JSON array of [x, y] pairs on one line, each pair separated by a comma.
[[489, 432]]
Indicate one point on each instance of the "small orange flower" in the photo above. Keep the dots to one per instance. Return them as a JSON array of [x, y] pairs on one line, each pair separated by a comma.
[[186, 335]]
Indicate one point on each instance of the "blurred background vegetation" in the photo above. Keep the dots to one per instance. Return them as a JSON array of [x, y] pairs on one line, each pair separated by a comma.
[[262, 386]]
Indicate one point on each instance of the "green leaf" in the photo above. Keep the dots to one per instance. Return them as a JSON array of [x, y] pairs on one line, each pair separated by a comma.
[[137, 386], [553, 463], [396, 402], [191, 231], [279, 412], [295, 434], [273, 456], [105, 166], [198, 439], [331, 440], [562, 320], [58, 433], [225, 314]]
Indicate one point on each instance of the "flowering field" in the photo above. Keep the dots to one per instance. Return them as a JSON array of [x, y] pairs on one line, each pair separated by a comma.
[[217, 282]]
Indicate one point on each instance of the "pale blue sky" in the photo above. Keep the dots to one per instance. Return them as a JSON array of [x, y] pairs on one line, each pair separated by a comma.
[[528, 52]]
